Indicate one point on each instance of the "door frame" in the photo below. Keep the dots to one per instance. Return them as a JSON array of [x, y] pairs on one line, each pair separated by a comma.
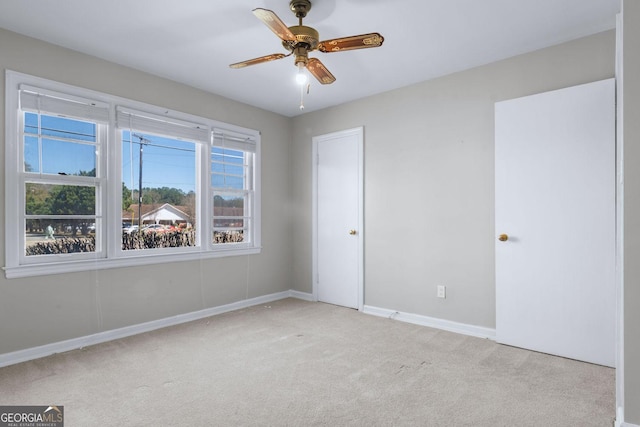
[[619, 79], [316, 140]]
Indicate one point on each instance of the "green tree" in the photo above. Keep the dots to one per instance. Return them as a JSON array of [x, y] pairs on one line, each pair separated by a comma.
[[174, 196], [126, 197], [219, 201], [161, 195], [151, 196], [36, 198], [71, 200], [36, 204], [189, 204], [237, 202]]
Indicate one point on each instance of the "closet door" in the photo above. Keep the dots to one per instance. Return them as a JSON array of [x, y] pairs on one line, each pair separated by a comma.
[[555, 222]]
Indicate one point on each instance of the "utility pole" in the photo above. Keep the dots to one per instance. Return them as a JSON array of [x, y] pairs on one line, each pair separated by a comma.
[[143, 141]]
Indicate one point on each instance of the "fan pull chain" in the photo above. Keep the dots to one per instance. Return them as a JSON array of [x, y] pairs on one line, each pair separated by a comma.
[[302, 94]]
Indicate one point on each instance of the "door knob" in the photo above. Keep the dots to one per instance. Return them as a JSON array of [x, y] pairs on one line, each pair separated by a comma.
[[503, 237], [352, 232]]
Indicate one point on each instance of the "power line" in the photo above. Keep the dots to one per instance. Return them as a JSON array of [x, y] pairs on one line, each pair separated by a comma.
[[151, 144], [59, 131]]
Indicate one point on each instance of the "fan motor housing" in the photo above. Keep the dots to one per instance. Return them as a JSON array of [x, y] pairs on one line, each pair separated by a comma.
[[300, 7], [304, 35]]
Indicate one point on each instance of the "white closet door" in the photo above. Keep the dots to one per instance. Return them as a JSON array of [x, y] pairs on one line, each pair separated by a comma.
[[555, 200]]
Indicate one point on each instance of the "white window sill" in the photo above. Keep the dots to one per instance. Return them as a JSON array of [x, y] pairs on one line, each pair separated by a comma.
[[134, 261]]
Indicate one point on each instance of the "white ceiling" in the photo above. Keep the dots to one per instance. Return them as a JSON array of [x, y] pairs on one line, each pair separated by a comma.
[[193, 41]]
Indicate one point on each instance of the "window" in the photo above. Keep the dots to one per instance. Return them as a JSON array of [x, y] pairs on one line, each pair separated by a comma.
[[96, 181], [158, 191], [60, 175], [232, 186], [160, 170]]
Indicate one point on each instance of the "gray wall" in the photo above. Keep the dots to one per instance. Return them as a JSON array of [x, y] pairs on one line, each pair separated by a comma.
[[40, 310], [429, 179], [631, 234]]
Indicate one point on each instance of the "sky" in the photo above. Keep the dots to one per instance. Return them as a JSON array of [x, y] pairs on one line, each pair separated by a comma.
[[68, 147], [165, 162]]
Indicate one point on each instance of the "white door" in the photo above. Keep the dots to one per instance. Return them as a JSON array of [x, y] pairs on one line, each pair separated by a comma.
[[337, 237], [555, 202]]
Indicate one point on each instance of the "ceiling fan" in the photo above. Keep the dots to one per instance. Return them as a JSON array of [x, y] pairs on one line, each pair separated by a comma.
[[299, 40]]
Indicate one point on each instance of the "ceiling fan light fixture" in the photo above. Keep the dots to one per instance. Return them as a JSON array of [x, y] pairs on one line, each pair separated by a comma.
[[301, 76]]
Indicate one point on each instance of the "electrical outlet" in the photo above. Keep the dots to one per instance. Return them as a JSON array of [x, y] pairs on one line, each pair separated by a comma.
[[442, 291]]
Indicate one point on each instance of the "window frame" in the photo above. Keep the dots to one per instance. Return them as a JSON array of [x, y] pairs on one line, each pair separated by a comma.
[[97, 182], [156, 129], [109, 253], [226, 139]]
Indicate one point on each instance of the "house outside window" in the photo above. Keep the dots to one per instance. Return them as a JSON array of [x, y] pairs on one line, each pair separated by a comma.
[[96, 181]]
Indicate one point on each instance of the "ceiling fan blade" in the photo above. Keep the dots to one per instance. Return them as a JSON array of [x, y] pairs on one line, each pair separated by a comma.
[[320, 72], [275, 24], [260, 60], [353, 42]]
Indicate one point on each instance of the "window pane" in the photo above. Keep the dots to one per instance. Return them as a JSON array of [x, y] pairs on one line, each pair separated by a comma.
[[59, 236], [68, 158], [59, 145], [228, 236], [228, 204], [60, 127], [226, 181], [50, 199], [162, 170], [220, 154], [31, 123], [229, 221], [228, 169], [31, 155]]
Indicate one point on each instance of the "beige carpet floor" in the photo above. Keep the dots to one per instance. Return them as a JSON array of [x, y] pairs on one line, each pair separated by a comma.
[[295, 363]]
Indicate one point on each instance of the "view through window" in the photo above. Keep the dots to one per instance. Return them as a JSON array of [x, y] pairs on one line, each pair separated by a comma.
[[158, 191], [231, 183], [60, 184], [112, 180]]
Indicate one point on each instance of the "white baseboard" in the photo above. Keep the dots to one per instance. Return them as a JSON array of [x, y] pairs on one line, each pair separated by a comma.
[[302, 295], [76, 343], [432, 322]]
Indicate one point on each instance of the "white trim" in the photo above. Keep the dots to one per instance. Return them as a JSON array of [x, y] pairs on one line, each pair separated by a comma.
[[314, 219], [359, 132], [11, 163], [623, 424], [432, 322], [101, 337], [619, 225], [302, 296], [131, 261]]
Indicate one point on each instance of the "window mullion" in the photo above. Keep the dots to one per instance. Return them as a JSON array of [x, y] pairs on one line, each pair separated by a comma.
[[204, 203]]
